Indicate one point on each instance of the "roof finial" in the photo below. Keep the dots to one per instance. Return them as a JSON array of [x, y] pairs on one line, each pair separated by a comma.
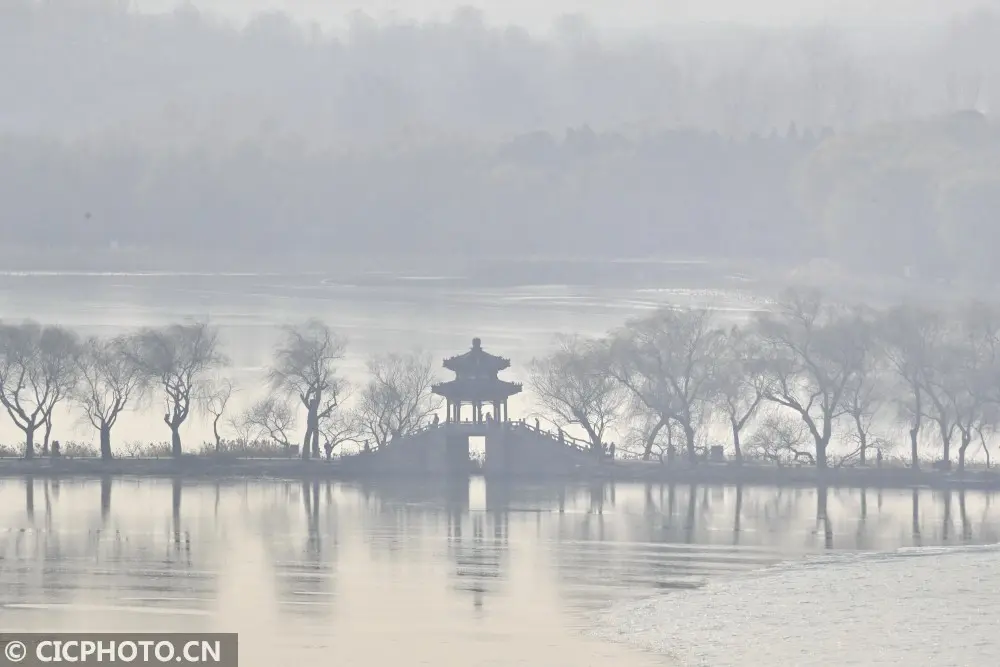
[[476, 343]]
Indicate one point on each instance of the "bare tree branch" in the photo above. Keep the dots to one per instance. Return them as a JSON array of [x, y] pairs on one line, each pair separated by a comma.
[[573, 385]]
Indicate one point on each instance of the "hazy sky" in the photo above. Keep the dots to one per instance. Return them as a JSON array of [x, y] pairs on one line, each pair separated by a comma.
[[613, 14]]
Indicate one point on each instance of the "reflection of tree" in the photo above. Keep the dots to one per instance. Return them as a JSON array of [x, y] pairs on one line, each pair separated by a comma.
[[85, 554], [737, 514], [181, 538], [966, 526], [823, 516], [946, 515], [105, 499], [301, 546]]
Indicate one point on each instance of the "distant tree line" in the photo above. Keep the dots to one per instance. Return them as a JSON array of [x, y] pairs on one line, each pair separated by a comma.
[[182, 368], [909, 199], [579, 193], [79, 67], [809, 380]]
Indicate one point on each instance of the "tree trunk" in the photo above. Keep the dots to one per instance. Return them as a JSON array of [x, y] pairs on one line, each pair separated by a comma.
[[966, 440], [946, 451], [215, 432], [307, 440], [821, 445], [29, 442], [47, 434], [175, 440], [647, 451], [105, 431], [689, 436], [596, 446], [862, 439], [737, 449], [915, 428]]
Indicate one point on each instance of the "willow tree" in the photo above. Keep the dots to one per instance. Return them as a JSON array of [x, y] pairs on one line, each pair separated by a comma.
[[573, 384], [111, 378], [397, 399], [740, 383], [813, 351], [179, 360], [667, 361], [305, 367], [37, 370]]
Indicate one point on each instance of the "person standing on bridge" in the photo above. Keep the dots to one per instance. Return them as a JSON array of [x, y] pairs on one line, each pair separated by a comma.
[[538, 424]]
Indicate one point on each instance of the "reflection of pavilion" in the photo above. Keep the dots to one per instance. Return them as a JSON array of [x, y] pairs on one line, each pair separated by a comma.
[[479, 560]]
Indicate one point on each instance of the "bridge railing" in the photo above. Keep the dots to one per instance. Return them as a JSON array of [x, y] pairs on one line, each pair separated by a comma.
[[566, 439]]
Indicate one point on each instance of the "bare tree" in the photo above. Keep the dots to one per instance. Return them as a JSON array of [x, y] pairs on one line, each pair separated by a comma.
[[340, 427], [397, 399], [648, 433], [740, 382], [813, 351], [305, 366], [110, 377], [973, 378], [179, 359], [215, 401], [668, 360], [781, 439], [37, 370], [574, 386], [271, 417], [910, 337], [243, 428], [865, 394]]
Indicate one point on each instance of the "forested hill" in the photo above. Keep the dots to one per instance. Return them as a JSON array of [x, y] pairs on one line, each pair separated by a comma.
[[920, 196], [180, 135], [677, 194]]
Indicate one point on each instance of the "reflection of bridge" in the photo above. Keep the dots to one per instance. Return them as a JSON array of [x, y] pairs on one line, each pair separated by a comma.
[[511, 448]]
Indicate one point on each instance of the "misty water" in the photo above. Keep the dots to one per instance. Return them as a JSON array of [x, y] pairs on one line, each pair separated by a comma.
[[484, 573]]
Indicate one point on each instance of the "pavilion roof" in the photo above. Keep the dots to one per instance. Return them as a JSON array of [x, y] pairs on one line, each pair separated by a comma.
[[476, 362], [482, 390]]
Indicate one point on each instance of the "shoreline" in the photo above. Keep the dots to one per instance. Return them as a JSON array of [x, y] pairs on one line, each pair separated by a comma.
[[207, 468]]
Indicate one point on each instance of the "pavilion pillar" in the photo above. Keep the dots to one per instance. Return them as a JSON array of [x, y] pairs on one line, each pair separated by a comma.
[[447, 414]]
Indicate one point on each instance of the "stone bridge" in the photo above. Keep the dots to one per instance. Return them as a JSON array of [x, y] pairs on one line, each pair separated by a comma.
[[512, 448]]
